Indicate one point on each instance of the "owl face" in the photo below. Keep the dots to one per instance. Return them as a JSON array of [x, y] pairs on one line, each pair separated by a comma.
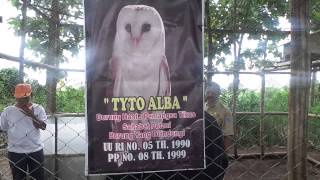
[[140, 30]]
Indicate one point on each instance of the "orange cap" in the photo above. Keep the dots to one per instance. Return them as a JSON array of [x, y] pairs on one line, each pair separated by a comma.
[[22, 90]]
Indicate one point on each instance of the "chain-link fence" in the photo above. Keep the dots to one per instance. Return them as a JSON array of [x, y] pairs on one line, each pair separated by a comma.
[[260, 150], [65, 144], [260, 141]]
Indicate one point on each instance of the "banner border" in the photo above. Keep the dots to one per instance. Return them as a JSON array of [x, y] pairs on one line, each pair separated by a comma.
[[86, 169]]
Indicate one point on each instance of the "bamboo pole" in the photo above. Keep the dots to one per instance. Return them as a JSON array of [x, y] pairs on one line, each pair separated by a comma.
[[313, 84], [56, 163], [313, 115], [235, 82], [36, 64], [45, 66], [299, 91], [314, 162], [271, 155], [238, 113], [262, 136], [247, 72], [265, 113], [234, 110], [244, 30]]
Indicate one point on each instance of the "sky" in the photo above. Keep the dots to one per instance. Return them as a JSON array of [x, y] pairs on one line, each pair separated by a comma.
[[78, 62], [10, 44]]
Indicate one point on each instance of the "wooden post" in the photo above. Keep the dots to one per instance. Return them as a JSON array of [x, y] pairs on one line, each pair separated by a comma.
[[313, 86], [23, 39], [235, 82], [262, 136], [56, 139], [299, 90], [234, 111]]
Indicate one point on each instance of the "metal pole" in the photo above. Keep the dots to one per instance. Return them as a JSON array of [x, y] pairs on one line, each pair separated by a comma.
[[56, 166]]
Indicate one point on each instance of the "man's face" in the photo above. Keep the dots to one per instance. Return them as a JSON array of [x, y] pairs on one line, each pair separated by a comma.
[[211, 96], [23, 101]]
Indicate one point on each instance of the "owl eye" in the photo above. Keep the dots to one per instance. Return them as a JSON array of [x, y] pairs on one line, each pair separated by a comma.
[[128, 28], [146, 27]]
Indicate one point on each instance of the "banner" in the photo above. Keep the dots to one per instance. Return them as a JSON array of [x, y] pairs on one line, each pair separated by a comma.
[[144, 79]]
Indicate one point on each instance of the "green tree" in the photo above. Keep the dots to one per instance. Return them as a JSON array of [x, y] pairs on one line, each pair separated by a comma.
[[216, 43], [8, 79], [260, 18], [243, 16], [39, 92], [315, 15], [277, 99], [248, 101], [70, 99], [52, 31]]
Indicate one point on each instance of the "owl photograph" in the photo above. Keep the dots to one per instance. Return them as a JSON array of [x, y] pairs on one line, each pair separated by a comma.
[[144, 86], [138, 62]]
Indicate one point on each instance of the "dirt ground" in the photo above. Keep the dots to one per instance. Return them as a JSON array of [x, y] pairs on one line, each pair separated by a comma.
[[242, 169], [5, 172], [267, 169]]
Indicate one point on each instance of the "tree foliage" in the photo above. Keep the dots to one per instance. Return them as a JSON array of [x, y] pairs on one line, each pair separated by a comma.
[[248, 101], [52, 29], [69, 25], [8, 79], [315, 15], [245, 16], [70, 99], [252, 16]]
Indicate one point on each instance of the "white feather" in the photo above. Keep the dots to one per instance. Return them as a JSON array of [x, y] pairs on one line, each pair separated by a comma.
[[141, 68]]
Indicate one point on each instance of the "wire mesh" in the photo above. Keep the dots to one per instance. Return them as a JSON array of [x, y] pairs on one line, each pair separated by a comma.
[[65, 143]]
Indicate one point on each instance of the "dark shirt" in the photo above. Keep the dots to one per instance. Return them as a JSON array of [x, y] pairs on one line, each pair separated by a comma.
[[216, 159]]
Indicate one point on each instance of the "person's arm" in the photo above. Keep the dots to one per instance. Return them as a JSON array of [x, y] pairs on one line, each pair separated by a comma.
[[42, 116], [4, 126], [37, 119]]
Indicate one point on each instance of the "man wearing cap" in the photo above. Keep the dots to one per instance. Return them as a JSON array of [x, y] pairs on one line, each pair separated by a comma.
[[220, 112], [23, 122]]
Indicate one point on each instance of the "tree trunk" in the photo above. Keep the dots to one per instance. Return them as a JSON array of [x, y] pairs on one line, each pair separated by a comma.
[[52, 58], [210, 43], [299, 90], [23, 39]]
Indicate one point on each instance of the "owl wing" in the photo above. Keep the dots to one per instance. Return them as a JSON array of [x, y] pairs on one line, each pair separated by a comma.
[[114, 63], [164, 87]]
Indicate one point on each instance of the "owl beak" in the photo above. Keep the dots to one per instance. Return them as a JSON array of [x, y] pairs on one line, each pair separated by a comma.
[[136, 41]]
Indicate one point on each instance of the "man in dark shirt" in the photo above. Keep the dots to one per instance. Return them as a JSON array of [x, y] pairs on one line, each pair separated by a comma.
[[216, 159]]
